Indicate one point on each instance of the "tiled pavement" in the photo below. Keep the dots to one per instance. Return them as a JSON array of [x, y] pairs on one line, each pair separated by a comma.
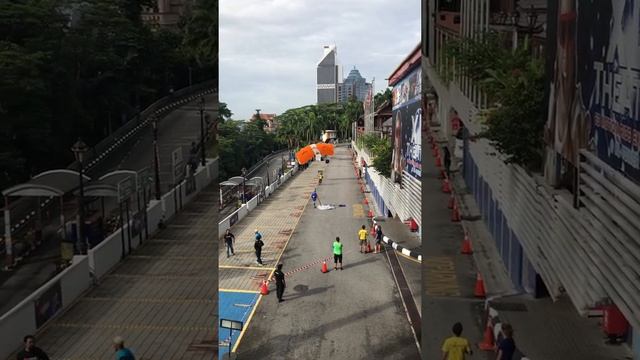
[[161, 299], [276, 223]]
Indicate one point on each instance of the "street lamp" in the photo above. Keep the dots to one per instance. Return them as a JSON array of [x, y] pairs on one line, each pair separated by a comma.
[[244, 177], [204, 161], [79, 150], [156, 157]]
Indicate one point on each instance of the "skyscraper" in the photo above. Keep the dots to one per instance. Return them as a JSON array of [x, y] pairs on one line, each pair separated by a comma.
[[354, 86], [328, 76]]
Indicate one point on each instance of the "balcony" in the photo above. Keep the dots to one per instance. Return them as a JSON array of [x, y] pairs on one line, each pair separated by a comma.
[[449, 20]]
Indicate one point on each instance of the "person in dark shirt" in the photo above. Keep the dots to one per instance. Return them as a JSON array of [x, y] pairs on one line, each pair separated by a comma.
[[31, 351], [280, 284], [507, 346], [229, 238], [258, 244]]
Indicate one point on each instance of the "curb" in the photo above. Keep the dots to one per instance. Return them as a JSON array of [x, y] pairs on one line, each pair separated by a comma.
[[399, 247]]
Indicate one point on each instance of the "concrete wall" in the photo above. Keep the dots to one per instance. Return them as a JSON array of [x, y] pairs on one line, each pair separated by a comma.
[[21, 319]]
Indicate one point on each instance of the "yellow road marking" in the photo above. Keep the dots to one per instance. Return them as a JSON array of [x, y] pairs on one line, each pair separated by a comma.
[[246, 267], [358, 211], [442, 279], [253, 311], [240, 290]]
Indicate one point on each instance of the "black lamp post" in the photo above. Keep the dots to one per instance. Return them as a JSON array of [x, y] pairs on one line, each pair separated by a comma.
[[156, 158], [204, 161], [79, 150], [244, 177]]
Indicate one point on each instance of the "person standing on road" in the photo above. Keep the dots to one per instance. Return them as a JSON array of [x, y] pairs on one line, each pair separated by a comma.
[[337, 254], [378, 238], [31, 351], [447, 161], [456, 347], [229, 239], [258, 246], [507, 346], [280, 284], [314, 197], [122, 353], [362, 236]]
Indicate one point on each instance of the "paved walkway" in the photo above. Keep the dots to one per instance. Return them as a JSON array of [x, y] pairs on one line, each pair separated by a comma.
[[161, 299], [351, 314], [448, 277]]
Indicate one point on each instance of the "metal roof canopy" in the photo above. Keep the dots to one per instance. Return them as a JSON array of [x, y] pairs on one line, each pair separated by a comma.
[[236, 180], [107, 185], [48, 183]]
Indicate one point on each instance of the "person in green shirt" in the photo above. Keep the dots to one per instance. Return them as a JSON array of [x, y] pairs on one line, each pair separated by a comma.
[[456, 347], [337, 254]]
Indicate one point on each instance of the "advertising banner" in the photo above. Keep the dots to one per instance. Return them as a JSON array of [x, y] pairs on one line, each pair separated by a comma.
[[594, 99], [407, 126], [48, 304]]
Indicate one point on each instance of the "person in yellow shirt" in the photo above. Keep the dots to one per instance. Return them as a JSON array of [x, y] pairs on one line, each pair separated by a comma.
[[362, 236], [456, 347]]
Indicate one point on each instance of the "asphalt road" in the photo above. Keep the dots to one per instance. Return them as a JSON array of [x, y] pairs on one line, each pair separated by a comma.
[[178, 129], [351, 314]]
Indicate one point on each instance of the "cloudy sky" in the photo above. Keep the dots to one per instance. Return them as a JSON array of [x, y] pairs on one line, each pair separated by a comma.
[[269, 49]]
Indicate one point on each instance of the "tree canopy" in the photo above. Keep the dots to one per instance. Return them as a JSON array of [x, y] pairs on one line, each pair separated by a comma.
[[72, 68]]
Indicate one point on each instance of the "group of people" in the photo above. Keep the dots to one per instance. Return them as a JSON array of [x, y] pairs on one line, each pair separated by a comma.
[[457, 348], [32, 352]]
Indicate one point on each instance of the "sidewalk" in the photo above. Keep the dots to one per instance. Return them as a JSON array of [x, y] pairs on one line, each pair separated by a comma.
[[448, 277], [351, 314], [544, 330]]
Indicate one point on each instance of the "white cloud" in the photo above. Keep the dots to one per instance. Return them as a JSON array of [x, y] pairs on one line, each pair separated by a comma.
[[269, 48]]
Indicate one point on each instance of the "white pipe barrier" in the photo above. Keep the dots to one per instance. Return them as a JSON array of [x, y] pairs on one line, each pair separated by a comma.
[[66, 287]]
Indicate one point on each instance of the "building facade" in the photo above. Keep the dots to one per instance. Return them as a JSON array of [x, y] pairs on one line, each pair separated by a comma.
[[166, 13], [328, 76], [573, 229], [354, 86]]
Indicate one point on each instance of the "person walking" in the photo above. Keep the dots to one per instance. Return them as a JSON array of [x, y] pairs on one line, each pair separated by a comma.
[[507, 346], [122, 353], [447, 161], [229, 239], [337, 254], [314, 197], [456, 347], [258, 246], [362, 236], [280, 284], [378, 239], [31, 351]]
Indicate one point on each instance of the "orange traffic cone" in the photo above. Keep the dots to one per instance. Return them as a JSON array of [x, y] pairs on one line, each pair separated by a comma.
[[368, 247], [365, 201], [324, 267], [446, 188], [451, 201], [373, 231], [438, 161], [264, 290], [466, 245], [479, 291], [488, 343], [370, 214], [455, 214]]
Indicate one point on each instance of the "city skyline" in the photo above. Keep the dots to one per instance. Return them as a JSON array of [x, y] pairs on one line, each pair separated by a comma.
[[269, 51]]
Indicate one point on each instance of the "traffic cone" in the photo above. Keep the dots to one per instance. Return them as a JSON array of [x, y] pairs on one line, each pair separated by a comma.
[[488, 343], [446, 188], [324, 267], [455, 214], [442, 174], [466, 245], [370, 214], [264, 290], [438, 161], [479, 291], [368, 247], [451, 201], [373, 231], [365, 201]]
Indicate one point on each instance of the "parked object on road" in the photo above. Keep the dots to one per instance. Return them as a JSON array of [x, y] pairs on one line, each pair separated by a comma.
[[229, 239], [326, 207], [280, 283], [122, 353], [258, 247], [31, 351], [337, 253], [456, 347]]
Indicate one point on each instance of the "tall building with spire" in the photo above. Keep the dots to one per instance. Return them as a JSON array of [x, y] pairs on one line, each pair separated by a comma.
[[354, 86]]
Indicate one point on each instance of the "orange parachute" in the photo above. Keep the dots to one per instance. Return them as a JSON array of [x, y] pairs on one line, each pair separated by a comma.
[[307, 153]]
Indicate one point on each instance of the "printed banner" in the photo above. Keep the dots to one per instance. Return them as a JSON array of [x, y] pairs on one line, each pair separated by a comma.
[[407, 125], [48, 304], [594, 98]]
